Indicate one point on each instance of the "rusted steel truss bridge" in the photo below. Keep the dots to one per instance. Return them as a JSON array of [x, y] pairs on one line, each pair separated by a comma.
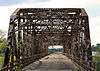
[[32, 30]]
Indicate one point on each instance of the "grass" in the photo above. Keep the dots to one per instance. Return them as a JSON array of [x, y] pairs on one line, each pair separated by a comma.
[[96, 59], [1, 60]]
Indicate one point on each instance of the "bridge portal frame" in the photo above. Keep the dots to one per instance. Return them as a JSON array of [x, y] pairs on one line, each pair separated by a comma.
[[32, 30]]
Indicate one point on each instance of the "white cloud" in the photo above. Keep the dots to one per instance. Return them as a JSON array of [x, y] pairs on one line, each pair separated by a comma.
[[4, 18], [55, 47], [57, 3], [95, 29], [66, 3]]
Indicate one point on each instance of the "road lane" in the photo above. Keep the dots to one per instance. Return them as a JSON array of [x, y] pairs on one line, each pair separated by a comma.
[[53, 62]]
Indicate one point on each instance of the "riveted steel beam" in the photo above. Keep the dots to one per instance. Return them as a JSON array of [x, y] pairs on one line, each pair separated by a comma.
[[32, 30]]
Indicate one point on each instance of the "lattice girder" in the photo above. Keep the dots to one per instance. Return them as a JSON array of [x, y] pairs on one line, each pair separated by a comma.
[[32, 30]]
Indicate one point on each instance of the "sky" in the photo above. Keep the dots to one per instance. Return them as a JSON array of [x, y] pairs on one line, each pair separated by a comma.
[[92, 8], [54, 47]]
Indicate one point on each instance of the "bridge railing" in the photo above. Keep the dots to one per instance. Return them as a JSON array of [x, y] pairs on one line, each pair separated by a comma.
[[17, 66], [81, 63]]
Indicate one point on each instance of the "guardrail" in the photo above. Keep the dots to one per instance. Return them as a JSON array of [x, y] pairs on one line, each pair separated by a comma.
[[27, 61], [81, 64]]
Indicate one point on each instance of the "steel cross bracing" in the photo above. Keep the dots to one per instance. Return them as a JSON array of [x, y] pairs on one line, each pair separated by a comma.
[[32, 30]]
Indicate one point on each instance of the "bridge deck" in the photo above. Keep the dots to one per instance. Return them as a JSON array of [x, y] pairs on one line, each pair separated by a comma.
[[53, 62]]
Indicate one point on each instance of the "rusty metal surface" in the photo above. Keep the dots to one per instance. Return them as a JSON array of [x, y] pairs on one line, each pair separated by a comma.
[[32, 30]]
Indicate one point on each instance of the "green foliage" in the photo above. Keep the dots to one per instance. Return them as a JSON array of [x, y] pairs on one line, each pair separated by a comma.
[[3, 42], [97, 47], [54, 50], [1, 61], [96, 58], [2, 46], [97, 66]]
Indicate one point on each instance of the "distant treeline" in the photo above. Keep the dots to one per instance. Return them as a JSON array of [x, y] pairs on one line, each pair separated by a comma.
[[96, 47], [55, 50]]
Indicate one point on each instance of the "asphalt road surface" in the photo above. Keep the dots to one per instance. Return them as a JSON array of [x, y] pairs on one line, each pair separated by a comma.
[[53, 62]]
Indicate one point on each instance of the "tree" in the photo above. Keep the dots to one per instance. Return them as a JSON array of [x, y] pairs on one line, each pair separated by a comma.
[[93, 48], [97, 47], [3, 42]]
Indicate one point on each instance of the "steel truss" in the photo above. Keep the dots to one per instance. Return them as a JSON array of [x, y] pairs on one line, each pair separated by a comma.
[[32, 30]]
